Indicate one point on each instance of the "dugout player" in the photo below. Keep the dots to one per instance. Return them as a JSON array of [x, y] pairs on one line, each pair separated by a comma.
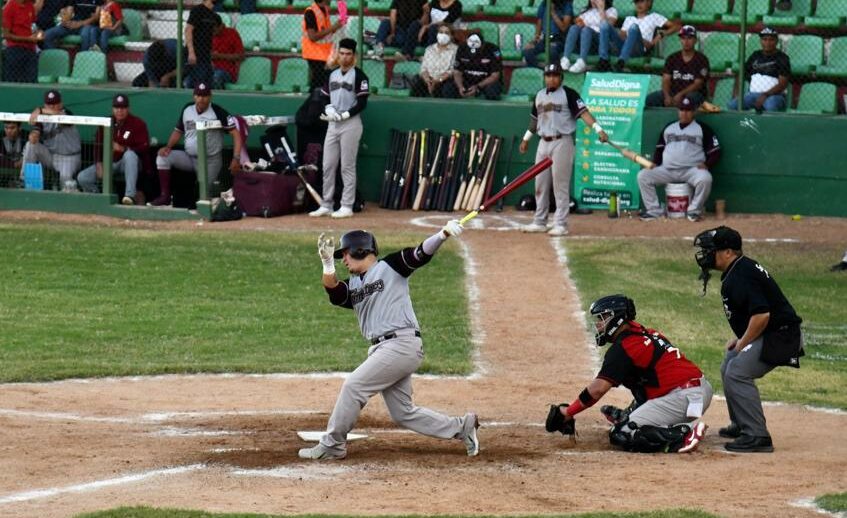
[[477, 71], [669, 389], [201, 109], [55, 146], [554, 113], [347, 93], [378, 292], [766, 328]]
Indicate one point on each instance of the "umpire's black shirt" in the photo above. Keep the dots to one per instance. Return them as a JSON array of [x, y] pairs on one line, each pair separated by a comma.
[[748, 289], [476, 66]]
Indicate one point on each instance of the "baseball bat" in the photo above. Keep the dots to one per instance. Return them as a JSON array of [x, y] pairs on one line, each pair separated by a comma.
[[632, 155], [521, 179], [312, 191]]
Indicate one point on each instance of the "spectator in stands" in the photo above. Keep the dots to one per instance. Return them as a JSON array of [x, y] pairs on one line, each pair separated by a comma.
[[20, 62], [686, 73], [159, 65], [46, 18], [561, 13], [227, 53], [436, 13], [769, 70], [638, 34], [201, 109], [586, 31], [198, 40], [317, 40], [437, 64], [477, 70], [96, 36], [130, 142], [686, 150], [402, 27], [55, 146], [12, 150], [76, 15]]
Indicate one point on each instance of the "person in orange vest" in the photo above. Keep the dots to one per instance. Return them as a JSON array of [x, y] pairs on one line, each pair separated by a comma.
[[317, 40]]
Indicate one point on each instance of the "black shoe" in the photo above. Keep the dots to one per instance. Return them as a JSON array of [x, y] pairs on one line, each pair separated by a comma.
[[750, 444], [840, 267], [619, 66], [603, 66], [732, 431]]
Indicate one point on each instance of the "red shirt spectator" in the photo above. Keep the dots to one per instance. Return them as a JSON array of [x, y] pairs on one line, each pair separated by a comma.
[[18, 17], [228, 43], [115, 15]]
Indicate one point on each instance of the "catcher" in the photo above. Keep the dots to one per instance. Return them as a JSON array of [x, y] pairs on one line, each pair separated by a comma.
[[670, 391]]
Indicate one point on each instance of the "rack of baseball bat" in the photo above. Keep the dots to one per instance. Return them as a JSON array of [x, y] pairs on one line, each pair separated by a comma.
[[427, 170]]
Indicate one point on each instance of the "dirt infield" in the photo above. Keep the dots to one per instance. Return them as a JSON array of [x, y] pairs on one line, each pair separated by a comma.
[[228, 443]]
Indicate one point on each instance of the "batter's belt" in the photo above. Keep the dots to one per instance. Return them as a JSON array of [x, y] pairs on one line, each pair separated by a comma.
[[395, 334]]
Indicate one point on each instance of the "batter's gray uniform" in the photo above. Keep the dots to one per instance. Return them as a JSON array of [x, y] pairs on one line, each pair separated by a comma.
[[187, 124], [678, 153], [380, 299], [554, 115], [346, 92], [60, 149]]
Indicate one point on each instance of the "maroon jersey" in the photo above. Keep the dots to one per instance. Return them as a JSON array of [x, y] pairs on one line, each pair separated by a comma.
[[643, 359], [683, 73]]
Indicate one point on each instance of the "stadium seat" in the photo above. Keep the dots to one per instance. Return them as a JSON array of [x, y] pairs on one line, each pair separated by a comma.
[[89, 68], [226, 18], [836, 66], [828, 15], [371, 25], [806, 53], [378, 6], [756, 9], [286, 34], [253, 29], [408, 68], [722, 50], [375, 70], [527, 32], [133, 22], [624, 9], [670, 8], [490, 31], [723, 92], [706, 11], [669, 45], [473, 6], [817, 98], [272, 4], [574, 81], [790, 18], [292, 75], [655, 83], [53, 64], [524, 84], [529, 8], [254, 73], [503, 8], [301, 4]]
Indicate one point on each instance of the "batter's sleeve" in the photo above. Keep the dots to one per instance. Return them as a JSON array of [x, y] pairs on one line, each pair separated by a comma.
[[340, 294], [575, 103], [711, 146], [406, 261]]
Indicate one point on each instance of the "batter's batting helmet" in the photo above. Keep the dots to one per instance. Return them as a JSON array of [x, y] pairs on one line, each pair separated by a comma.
[[611, 312], [359, 243]]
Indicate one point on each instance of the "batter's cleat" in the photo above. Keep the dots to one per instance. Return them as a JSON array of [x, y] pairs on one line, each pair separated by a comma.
[[343, 212], [557, 231], [750, 444], [693, 438], [320, 452], [732, 431], [469, 435], [534, 228], [320, 211]]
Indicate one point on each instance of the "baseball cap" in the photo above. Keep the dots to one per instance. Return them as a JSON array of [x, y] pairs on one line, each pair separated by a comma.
[[553, 68], [725, 237], [768, 31], [687, 30], [203, 90], [52, 97], [687, 103], [120, 101]]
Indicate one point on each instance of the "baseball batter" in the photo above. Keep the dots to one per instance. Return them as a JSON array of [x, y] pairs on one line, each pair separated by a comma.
[[554, 113], [378, 292]]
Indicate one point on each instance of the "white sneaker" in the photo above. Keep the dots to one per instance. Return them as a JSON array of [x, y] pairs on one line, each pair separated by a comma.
[[578, 67], [321, 211], [126, 200], [558, 230], [565, 63], [343, 212], [534, 228], [319, 452]]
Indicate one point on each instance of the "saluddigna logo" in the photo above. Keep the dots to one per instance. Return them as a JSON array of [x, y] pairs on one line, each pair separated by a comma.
[[617, 84]]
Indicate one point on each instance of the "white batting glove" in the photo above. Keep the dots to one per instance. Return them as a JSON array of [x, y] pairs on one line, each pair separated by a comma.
[[330, 110], [326, 247], [453, 228], [344, 116]]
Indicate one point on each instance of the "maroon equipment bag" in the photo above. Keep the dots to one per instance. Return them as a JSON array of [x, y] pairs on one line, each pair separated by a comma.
[[269, 194]]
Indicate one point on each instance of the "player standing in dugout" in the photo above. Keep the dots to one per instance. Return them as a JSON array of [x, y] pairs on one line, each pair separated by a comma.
[[554, 113]]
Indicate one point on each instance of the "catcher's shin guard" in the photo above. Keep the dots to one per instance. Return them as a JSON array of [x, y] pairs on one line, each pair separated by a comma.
[[649, 439]]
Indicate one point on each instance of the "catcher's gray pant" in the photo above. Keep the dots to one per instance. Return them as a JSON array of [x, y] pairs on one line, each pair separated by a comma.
[[699, 179], [342, 141], [185, 162], [672, 408], [738, 373], [559, 174], [388, 370], [128, 166], [66, 165]]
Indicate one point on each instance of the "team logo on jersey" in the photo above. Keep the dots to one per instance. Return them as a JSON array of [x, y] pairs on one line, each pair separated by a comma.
[[357, 296], [364, 86]]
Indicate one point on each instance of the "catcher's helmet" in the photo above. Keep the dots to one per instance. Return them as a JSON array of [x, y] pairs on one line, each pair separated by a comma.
[[359, 243], [611, 312]]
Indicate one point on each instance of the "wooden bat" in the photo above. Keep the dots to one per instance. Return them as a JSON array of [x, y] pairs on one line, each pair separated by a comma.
[[312, 191], [632, 155], [521, 179]]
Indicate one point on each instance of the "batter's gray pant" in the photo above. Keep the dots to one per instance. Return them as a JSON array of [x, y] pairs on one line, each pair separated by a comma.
[[559, 174], [128, 166], [388, 370], [342, 141], [671, 409], [66, 165], [739, 372], [185, 162], [699, 179]]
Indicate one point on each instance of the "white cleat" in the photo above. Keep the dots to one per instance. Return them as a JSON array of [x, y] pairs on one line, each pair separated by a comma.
[[578, 67], [320, 211], [534, 228], [557, 231], [320, 452], [343, 212]]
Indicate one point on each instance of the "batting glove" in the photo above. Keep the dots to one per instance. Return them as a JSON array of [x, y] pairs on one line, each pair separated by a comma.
[[326, 247], [453, 228]]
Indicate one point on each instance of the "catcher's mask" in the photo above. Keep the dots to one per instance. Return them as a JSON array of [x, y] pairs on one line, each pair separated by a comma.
[[611, 312], [709, 242], [358, 243]]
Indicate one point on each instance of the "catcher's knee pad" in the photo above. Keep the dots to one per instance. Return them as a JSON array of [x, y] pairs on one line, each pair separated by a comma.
[[652, 439]]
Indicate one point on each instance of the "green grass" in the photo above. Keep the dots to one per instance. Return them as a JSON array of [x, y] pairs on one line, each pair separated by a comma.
[[147, 512], [834, 502], [661, 276], [86, 302]]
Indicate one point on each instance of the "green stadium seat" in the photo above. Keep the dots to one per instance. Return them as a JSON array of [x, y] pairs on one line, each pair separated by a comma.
[[53, 64], [670, 8], [371, 25], [253, 29], [722, 50], [292, 75], [285, 36], [791, 18], [301, 4], [706, 11], [836, 66], [756, 9], [134, 29], [669, 45], [230, 4], [252, 75], [655, 83], [503, 7], [830, 14], [408, 68], [378, 6], [806, 53], [226, 18], [375, 70], [817, 98], [525, 82], [272, 4], [723, 91], [72, 40], [624, 9], [490, 31], [528, 9], [473, 6], [89, 68], [527, 32], [574, 81]]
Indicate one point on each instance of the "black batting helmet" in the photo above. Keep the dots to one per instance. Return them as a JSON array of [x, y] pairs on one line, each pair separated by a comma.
[[359, 243], [611, 311]]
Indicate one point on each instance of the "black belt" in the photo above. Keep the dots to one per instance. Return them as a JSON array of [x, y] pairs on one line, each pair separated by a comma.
[[551, 139], [390, 336]]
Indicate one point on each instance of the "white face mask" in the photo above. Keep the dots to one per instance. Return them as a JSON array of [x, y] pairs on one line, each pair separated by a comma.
[[474, 42], [442, 38]]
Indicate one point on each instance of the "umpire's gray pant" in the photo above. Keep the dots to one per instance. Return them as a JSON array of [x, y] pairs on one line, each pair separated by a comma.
[[699, 179], [672, 408], [66, 165], [128, 165], [342, 141], [185, 162], [559, 174], [739, 372]]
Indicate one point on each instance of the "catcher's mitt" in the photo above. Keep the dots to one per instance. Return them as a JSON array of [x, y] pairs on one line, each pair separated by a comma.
[[556, 421]]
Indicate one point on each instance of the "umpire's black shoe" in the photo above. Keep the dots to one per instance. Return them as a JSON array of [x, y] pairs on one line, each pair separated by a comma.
[[750, 444], [730, 432], [840, 267]]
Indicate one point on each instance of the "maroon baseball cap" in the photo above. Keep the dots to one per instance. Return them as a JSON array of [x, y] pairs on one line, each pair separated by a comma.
[[203, 90], [120, 101], [52, 97], [687, 30]]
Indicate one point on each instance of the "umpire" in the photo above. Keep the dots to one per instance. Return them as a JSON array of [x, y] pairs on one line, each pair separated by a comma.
[[766, 328], [554, 113]]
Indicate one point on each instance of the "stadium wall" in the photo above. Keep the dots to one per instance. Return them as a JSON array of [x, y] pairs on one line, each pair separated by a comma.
[[772, 163]]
